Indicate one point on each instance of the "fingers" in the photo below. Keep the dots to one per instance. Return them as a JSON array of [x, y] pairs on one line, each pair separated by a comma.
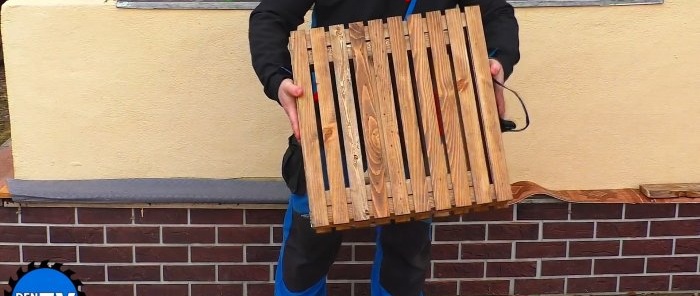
[[294, 121], [497, 73], [288, 94]]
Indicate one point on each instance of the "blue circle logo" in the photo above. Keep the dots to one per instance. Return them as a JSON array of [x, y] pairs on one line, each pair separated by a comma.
[[44, 281]]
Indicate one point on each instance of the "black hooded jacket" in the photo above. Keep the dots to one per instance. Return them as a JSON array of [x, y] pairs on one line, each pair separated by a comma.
[[272, 20]]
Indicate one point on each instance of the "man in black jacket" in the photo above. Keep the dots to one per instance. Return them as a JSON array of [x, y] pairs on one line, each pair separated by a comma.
[[403, 250]]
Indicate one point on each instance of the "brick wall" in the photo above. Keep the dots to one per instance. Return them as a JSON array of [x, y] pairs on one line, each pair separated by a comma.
[[532, 248]]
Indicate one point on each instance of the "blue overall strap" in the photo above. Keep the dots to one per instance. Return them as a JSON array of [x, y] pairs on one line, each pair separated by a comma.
[[409, 10]]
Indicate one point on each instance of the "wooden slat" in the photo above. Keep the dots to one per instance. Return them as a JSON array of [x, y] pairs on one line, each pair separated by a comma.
[[487, 104], [390, 129], [329, 128], [309, 134], [671, 190], [409, 119], [348, 119], [467, 99], [435, 149], [371, 123], [449, 109]]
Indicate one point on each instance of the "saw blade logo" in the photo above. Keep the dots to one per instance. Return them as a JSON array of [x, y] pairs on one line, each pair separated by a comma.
[[44, 281]]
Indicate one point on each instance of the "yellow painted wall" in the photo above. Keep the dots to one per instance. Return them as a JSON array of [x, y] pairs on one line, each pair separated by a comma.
[[100, 92]]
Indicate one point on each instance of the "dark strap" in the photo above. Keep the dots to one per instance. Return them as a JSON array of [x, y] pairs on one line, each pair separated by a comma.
[[508, 126]]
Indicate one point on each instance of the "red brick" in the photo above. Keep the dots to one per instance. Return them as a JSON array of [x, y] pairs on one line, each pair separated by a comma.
[[366, 252], [460, 232], [675, 228], [260, 289], [350, 271], [106, 254], [105, 216], [595, 211], [689, 210], [515, 231], [502, 214], [543, 211], [685, 283], [486, 250], [262, 253], [84, 235], [216, 216], [362, 289], [22, 234], [647, 247], [672, 264], [486, 287], [566, 267], [618, 266], [109, 289], [189, 235], [540, 249], [458, 270], [161, 254], [9, 254], [563, 230], [10, 270], [644, 283], [133, 273], [244, 235], [48, 215], [344, 254], [539, 286], [53, 254], [219, 254], [591, 285], [133, 235], [87, 273], [688, 246], [220, 289], [166, 289], [244, 273], [359, 235], [443, 252], [644, 211], [594, 248], [206, 273], [277, 235], [511, 269], [621, 229], [161, 216], [254, 216], [440, 288], [8, 215], [339, 289]]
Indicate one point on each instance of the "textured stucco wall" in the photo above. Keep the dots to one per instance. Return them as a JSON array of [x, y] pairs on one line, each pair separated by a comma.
[[99, 92]]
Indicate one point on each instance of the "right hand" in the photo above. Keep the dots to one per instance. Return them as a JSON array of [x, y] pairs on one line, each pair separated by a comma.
[[288, 94]]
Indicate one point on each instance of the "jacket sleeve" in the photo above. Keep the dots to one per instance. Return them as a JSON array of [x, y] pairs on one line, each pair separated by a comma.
[[501, 30], [268, 35]]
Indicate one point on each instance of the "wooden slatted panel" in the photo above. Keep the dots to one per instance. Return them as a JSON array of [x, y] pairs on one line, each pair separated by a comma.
[[371, 122], [329, 128], [409, 120], [449, 109], [467, 99], [309, 133], [435, 149], [392, 142], [348, 118], [487, 104]]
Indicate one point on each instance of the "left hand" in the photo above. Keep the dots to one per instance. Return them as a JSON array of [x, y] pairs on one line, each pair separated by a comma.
[[497, 73]]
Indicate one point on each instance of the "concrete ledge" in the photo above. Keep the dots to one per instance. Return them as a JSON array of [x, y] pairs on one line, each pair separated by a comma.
[[232, 191]]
